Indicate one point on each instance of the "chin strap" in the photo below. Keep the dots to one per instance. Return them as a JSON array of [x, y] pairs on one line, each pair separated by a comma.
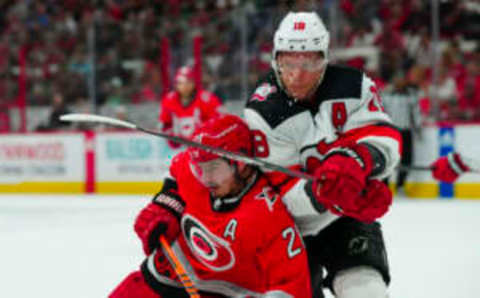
[[229, 203]]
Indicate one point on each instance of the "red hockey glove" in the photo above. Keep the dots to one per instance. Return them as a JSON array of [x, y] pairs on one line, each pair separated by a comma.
[[160, 217], [343, 173], [371, 205], [448, 168]]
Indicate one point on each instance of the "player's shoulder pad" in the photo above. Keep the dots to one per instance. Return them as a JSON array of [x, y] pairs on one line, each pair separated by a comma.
[[340, 82], [271, 102]]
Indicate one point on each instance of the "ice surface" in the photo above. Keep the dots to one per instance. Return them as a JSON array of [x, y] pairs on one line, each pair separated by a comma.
[[82, 246]]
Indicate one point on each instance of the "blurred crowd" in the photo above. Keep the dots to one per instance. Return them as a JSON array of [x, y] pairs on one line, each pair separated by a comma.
[[110, 50], [402, 32]]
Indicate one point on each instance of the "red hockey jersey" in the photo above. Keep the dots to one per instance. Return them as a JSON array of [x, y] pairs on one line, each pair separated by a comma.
[[246, 246], [181, 120]]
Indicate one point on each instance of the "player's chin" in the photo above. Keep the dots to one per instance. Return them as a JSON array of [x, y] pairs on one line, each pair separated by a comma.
[[299, 93]]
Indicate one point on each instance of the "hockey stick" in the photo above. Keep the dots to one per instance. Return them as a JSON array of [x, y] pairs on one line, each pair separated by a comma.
[[179, 269], [415, 168], [211, 149]]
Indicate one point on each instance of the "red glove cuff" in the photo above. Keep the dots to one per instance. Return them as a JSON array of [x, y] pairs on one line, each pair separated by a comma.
[[160, 217], [448, 168], [457, 164]]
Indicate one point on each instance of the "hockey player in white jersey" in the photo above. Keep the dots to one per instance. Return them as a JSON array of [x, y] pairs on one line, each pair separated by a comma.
[[329, 120]]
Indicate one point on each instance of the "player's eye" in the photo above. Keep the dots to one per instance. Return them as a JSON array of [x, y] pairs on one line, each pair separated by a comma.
[[307, 65]]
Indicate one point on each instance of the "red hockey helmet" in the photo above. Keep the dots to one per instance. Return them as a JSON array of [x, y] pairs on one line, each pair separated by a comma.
[[184, 73], [226, 131]]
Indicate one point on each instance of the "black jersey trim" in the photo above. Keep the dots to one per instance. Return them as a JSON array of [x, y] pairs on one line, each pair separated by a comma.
[[386, 124], [340, 82], [277, 106], [315, 203], [276, 109], [304, 148]]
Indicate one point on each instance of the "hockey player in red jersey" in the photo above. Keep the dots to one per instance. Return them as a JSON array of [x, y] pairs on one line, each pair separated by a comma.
[[450, 167], [228, 223], [330, 120], [185, 108]]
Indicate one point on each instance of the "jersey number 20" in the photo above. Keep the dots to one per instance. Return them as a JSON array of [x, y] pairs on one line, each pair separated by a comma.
[[289, 233]]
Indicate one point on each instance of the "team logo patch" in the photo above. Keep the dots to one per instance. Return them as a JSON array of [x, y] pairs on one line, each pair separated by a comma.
[[211, 250], [262, 92], [358, 245], [269, 195]]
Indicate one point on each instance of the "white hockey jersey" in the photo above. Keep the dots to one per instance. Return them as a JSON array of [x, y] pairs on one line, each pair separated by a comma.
[[347, 105]]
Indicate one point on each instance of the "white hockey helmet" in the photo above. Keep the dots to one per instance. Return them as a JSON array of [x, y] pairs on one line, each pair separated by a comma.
[[301, 32]]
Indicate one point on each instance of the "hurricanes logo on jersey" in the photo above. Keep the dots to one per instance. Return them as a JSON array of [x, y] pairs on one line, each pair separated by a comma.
[[211, 250]]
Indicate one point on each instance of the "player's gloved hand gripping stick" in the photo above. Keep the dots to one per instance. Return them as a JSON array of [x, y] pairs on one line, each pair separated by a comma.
[[158, 224], [343, 186]]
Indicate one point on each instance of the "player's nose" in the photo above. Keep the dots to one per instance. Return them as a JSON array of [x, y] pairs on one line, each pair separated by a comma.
[[296, 74]]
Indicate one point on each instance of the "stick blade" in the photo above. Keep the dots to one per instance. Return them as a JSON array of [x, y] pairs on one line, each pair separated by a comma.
[[96, 119]]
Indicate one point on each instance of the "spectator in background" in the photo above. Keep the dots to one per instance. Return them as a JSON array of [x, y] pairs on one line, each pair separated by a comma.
[[116, 93], [146, 91], [58, 109], [363, 37], [420, 48], [445, 92], [185, 108], [469, 92], [401, 103], [419, 16], [392, 48], [211, 84], [453, 59], [118, 112], [417, 77]]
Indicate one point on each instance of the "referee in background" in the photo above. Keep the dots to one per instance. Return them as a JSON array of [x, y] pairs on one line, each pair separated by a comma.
[[401, 103]]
